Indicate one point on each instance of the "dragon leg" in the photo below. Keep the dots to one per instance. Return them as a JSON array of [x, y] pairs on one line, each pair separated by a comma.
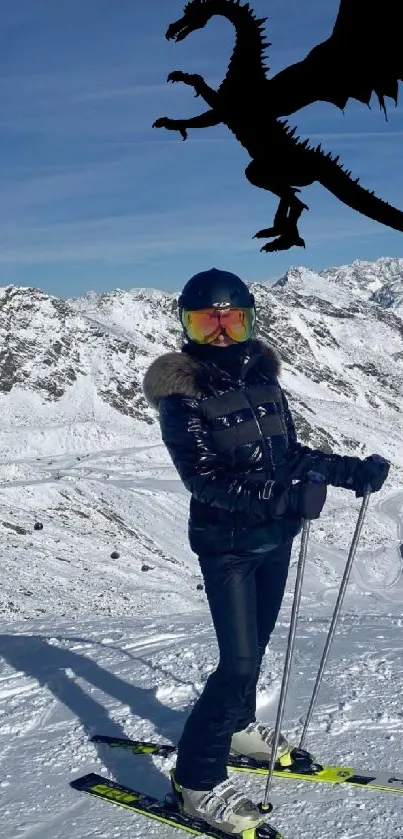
[[279, 221], [285, 223], [206, 120], [201, 88], [285, 226]]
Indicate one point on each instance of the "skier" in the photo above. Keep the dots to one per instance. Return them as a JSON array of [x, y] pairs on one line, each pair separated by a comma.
[[226, 423]]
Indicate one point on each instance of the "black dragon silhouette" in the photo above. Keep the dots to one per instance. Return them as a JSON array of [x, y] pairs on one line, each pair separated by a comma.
[[362, 57]]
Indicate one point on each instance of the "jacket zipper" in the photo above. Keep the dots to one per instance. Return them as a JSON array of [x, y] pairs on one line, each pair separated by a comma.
[[262, 437], [243, 385]]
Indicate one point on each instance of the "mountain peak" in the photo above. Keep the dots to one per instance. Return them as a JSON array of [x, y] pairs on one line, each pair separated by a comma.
[[380, 281], [76, 365]]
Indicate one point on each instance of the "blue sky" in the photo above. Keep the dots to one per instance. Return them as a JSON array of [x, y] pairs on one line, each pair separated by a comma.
[[91, 197]]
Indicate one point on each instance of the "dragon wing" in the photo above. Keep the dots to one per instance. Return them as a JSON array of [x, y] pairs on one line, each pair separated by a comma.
[[363, 56]]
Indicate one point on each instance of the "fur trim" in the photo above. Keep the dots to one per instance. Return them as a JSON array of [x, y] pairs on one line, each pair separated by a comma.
[[174, 372], [182, 374], [270, 356]]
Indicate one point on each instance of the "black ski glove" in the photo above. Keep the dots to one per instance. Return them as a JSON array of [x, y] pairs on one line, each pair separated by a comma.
[[302, 500], [369, 475]]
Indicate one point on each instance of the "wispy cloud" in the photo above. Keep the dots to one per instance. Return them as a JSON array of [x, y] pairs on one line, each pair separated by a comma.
[[86, 181], [121, 238]]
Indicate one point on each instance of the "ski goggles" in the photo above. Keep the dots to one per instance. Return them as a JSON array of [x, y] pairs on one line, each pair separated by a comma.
[[205, 325]]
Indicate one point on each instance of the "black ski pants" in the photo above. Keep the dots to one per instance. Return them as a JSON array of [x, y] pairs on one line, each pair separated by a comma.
[[245, 593]]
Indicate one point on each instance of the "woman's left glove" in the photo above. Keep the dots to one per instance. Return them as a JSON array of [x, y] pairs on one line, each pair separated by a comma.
[[370, 475]]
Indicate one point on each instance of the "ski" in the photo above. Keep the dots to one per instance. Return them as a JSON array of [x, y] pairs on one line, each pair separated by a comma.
[[302, 766], [161, 811]]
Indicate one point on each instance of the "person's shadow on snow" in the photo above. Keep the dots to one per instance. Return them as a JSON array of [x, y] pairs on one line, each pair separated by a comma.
[[60, 669]]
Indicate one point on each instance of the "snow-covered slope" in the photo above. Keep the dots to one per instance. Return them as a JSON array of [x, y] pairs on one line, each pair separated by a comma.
[[61, 682], [66, 382], [72, 408], [123, 644]]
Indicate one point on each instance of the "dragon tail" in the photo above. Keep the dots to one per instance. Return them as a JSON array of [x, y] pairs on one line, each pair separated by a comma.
[[341, 184]]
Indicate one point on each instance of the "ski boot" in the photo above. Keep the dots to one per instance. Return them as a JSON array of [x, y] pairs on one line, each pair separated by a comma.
[[256, 742], [223, 807]]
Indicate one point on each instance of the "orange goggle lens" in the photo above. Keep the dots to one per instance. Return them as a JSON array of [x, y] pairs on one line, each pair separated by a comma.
[[205, 325]]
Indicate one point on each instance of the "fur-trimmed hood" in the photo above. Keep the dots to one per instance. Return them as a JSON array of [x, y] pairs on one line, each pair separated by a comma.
[[183, 374]]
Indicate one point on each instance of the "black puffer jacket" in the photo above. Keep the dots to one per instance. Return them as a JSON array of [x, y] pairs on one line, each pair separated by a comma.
[[230, 437]]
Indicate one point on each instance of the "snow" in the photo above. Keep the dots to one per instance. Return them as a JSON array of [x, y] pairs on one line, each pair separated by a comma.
[[94, 645], [91, 644]]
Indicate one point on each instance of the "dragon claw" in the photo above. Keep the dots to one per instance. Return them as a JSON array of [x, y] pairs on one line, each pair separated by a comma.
[[161, 122], [272, 247], [175, 76], [266, 233], [187, 78], [282, 243], [170, 125]]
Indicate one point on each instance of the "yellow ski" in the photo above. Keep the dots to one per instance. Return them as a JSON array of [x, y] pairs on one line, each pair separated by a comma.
[[299, 766], [162, 811]]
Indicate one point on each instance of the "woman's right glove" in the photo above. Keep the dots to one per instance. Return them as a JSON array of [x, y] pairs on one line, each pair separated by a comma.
[[304, 500]]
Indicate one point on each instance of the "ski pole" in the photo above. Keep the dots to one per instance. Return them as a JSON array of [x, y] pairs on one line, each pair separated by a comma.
[[336, 613], [313, 477]]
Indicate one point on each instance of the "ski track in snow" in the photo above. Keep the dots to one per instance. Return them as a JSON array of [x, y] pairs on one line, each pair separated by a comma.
[[134, 666]]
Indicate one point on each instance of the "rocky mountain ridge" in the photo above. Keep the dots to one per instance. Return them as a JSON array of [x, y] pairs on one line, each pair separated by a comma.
[[339, 334]]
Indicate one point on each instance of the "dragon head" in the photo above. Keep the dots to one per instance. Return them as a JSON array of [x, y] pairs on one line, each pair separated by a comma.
[[195, 16]]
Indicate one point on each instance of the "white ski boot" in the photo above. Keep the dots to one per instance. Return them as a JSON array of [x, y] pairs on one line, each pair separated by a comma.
[[256, 741], [223, 807]]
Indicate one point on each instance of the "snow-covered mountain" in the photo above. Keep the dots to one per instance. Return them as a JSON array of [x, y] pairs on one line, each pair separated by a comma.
[[343, 352], [80, 449], [75, 366], [105, 626]]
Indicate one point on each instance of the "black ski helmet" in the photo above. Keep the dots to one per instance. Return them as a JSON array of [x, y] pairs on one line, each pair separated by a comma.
[[210, 288]]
